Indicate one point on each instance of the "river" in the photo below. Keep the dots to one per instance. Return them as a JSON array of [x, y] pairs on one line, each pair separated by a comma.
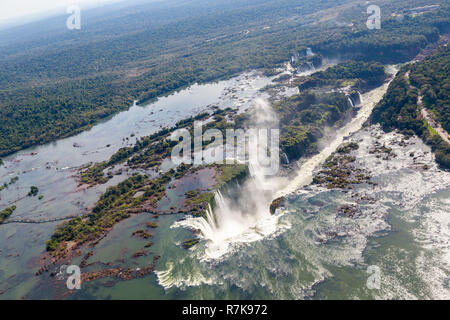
[[404, 233], [53, 167]]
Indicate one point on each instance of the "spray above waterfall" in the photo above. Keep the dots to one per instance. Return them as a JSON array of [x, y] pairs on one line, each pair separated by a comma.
[[244, 216], [250, 146]]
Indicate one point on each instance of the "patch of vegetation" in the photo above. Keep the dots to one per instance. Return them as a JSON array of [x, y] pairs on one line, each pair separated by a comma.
[[399, 108], [11, 181], [229, 173], [225, 175], [6, 213], [140, 253], [361, 75], [142, 234], [348, 210], [148, 244], [33, 191], [382, 151], [347, 147], [190, 243], [339, 171], [303, 118], [431, 76], [152, 225], [191, 194], [431, 131], [116, 204], [199, 204]]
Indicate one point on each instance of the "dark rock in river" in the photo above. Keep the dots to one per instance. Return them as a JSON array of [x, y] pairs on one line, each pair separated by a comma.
[[277, 203]]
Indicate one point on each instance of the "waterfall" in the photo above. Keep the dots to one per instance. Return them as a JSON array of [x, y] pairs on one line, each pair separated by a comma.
[[309, 52], [311, 66], [351, 101], [285, 157], [246, 217], [360, 98]]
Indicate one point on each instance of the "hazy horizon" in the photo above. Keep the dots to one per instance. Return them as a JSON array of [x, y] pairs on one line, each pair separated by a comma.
[[23, 11]]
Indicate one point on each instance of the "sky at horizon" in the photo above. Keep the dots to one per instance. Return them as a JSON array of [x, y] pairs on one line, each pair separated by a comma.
[[13, 10]]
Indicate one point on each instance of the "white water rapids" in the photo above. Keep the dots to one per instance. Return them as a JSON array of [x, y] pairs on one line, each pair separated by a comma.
[[247, 218]]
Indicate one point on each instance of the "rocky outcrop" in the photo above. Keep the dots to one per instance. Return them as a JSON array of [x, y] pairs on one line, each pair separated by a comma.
[[277, 203]]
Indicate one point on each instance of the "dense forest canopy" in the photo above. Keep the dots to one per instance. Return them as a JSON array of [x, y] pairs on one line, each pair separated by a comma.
[[364, 75], [55, 82], [400, 107], [432, 79]]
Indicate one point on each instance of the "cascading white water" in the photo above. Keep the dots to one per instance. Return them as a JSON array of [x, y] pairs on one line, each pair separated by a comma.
[[247, 217], [309, 52], [360, 98], [351, 102]]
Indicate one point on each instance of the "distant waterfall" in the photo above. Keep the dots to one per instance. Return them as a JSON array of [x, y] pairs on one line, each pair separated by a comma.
[[350, 101], [360, 98], [355, 99], [285, 158], [311, 66]]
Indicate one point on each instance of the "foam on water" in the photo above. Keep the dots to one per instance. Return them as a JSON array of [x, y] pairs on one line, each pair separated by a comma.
[[320, 243], [251, 220], [419, 192], [433, 263], [169, 278]]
